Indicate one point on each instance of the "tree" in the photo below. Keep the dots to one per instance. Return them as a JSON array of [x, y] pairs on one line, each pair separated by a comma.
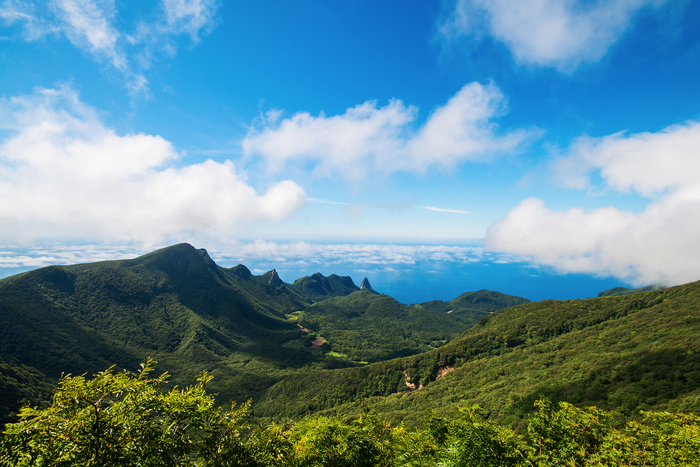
[[119, 419], [474, 441]]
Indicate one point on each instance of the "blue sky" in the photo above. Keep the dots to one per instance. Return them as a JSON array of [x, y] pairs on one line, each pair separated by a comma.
[[563, 136]]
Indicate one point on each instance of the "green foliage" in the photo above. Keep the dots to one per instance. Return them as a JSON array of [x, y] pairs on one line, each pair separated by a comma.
[[120, 419], [472, 440], [125, 419], [19, 385], [627, 291], [321, 441], [588, 437], [567, 436], [371, 327]]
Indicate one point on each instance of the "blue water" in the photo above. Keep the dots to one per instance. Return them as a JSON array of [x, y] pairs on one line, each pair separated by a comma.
[[427, 280], [407, 274]]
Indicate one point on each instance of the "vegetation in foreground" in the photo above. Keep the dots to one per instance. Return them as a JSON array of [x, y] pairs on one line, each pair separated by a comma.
[[118, 419]]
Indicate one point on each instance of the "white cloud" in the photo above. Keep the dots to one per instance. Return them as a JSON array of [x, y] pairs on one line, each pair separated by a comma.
[[261, 256], [557, 33], [648, 163], [454, 211], [32, 25], [94, 27], [189, 16], [355, 253], [657, 245], [88, 25], [368, 138], [70, 175], [64, 254]]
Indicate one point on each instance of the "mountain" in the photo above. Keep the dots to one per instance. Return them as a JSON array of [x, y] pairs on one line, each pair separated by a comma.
[[370, 327], [178, 306], [627, 291], [318, 287], [621, 353], [475, 304], [174, 304]]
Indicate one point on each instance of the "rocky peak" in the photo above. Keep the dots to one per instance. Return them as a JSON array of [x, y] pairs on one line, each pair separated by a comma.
[[274, 280], [365, 284]]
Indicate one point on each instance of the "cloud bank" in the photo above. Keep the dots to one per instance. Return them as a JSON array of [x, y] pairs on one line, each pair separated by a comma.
[[551, 33], [228, 252], [384, 139], [659, 244], [357, 253], [66, 173]]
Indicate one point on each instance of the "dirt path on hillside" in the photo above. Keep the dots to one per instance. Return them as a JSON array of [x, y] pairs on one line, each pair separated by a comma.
[[316, 343]]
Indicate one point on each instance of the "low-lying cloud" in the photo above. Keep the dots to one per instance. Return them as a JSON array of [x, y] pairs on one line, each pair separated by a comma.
[[64, 173], [231, 252], [656, 245], [367, 137]]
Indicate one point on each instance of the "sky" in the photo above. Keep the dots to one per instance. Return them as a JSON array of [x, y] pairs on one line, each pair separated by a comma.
[[554, 143]]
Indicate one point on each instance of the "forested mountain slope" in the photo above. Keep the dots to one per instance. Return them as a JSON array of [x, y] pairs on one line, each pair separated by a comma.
[[175, 305], [371, 327], [180, 308], [622, 353]]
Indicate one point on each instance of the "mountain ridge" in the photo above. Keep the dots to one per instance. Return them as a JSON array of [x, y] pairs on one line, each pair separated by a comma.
[[174, 304]]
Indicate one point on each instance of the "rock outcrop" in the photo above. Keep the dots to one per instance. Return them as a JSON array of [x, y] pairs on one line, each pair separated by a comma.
[[275, 280]]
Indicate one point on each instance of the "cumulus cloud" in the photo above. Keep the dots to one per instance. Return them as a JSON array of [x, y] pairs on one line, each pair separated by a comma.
[[366, 137], [648, 163], [556, 33], [69, 174], [656, 245]]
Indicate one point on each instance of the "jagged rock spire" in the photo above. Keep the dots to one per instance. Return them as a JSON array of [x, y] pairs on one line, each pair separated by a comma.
[[365, 284], [275, 280]]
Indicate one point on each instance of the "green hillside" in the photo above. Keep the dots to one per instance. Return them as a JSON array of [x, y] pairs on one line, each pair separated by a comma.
[[175, 305], [21, 384], [369, 327], [178, 307], [622, 353], [476, 304], [627, 291]]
